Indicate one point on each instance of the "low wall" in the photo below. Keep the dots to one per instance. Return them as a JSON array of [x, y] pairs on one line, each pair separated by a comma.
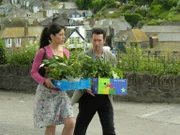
[[16, 78], [141, 87], [152, 88]]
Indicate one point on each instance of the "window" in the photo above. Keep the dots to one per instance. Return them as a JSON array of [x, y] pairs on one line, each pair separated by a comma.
[[28, 15], [70, 21], [78, 40], [8, 43], [18, 42], [72, 40]]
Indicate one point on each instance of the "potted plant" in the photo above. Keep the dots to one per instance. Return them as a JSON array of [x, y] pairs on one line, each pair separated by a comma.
[[82, 72]]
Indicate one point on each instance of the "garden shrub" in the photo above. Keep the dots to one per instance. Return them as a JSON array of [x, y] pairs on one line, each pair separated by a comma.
[[2, 52], [133, 18], [142, 11], [113, 15], [24, 56]]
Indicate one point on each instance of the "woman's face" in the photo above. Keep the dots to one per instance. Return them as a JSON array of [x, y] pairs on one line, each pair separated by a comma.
[[59, 38]]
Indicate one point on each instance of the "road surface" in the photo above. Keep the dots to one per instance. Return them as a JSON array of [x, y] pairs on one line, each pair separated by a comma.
[[130, 118]]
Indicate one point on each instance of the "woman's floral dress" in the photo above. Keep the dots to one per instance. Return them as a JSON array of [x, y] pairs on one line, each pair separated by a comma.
[[51, 107]]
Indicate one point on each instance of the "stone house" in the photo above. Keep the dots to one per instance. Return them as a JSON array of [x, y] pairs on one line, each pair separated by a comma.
[[163, 37], [131, 37], [82, 27], [16, 37], [113, 25]]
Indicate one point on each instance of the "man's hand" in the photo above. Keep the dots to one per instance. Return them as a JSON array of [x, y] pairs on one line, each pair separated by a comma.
[[89, 91]]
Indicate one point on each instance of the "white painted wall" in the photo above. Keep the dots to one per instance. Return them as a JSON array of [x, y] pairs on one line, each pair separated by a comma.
[[81, 30], [50, 12], [75, 45]]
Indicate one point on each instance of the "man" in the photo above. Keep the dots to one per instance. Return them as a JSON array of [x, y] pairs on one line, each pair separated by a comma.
[[90, 103]]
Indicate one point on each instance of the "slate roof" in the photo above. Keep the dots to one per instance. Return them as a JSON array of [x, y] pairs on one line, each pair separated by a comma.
[[36, 3], [169, 37], [158, 29], [75, 30], [171, 23], [116, 23], [61, 19], [68, 32]]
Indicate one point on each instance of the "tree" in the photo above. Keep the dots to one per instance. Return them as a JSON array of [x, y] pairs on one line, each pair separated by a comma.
[[84, 4], [178, 6]]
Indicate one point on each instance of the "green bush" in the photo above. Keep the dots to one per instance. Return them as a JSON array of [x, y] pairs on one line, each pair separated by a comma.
[[142, 11], [23, 57], [113, 15], [2, 52], [163, 15], [135, 60], [133, 19], [156, 10], [129, 7], [178, 6]]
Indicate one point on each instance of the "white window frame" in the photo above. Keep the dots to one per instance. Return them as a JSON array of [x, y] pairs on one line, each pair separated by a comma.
[[8, 42], [71, 40], [78, 39], [18, 42], [28, 15]]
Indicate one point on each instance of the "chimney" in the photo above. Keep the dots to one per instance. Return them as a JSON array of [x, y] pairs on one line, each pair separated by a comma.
[[43, 4], [26, 31]]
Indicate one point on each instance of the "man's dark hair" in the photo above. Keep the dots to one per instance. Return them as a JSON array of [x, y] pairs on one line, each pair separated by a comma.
[[99, 31]]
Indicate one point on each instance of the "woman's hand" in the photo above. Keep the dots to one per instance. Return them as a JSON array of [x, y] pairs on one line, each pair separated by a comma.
[[48, 83]]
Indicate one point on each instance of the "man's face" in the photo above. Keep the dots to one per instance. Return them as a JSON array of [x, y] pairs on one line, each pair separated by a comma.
[[98, 42]]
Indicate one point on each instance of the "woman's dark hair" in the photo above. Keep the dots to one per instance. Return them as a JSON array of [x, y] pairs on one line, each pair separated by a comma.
[[53, 28], [99, 31]]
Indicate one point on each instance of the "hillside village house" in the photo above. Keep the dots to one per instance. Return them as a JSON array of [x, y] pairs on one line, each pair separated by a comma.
[[164, 37], [75, 40], [112, 27], [62, 19], [65, 18], [168, 42], [16, 37], [131, 37], [32, 5]]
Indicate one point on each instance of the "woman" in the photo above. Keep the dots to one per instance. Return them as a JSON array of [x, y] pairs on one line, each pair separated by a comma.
[[52, 106]]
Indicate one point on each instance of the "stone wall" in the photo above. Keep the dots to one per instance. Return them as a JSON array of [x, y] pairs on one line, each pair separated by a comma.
[[152, 88], [141, 87], [16, 78]]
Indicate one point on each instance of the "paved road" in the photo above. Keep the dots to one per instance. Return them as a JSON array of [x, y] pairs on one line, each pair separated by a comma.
[[130, 118]]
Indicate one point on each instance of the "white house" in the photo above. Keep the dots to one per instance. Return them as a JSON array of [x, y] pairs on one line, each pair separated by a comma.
[[75, 40]]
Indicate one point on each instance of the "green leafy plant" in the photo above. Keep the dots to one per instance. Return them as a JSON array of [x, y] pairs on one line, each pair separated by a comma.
[[81, 67], [22, 56], [3, 52], [98, 68]]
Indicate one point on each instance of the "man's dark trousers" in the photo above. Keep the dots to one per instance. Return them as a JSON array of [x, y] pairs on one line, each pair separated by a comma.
[[88, 106]]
